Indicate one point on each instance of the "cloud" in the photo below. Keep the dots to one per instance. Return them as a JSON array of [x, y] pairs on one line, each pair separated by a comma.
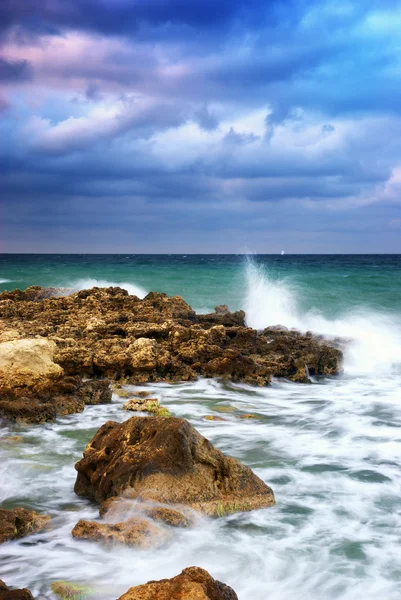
[[170, 115], [12, 71]]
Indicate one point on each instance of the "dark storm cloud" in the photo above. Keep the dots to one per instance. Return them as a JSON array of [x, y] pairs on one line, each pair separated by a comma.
[[125, 16], [175, 116], [14, 70]]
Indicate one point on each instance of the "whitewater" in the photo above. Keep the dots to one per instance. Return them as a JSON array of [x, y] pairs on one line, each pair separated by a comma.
[[330, 450]]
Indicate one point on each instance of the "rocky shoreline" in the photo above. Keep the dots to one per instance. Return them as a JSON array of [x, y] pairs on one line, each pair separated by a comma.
[[150, 474]]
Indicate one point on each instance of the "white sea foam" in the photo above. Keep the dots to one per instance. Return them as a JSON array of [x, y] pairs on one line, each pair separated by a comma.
[[5, 281], [87, 283], [376, 337], [331, 451]]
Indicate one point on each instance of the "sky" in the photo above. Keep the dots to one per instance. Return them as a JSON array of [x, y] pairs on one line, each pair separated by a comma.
[[204, 126]]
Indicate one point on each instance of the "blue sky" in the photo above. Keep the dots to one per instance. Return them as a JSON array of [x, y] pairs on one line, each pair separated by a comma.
[[200, 126]]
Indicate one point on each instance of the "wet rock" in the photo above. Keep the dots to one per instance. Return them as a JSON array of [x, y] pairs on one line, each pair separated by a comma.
[[150, 405], [142, 404], [192, 583], [20, 522], [8, 594], [71, 591], [48, 398], [123, 508], [167, 461], [132, 532], [106, 333]]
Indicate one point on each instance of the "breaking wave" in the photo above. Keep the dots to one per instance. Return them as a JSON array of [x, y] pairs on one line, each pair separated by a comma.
[[375, 338]]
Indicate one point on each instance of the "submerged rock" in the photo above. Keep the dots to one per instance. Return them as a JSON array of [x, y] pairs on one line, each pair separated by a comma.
[[118, 508], [7, 594], [192, 584], [108, 333], [34, 389], [71, 591], [132, 532], [20, 522], [167, 461]]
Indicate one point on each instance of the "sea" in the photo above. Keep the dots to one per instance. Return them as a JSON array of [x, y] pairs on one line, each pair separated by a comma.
[[331, 449]]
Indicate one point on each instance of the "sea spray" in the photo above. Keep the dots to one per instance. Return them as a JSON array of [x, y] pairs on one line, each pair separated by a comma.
[[86, 284], [373, 339]]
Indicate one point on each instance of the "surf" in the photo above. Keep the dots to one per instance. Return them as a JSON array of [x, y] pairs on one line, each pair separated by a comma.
[[373, 339]]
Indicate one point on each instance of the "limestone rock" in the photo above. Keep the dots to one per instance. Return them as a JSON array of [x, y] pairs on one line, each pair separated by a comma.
[[20, 522], [28, 359], [192, 584], [106, 333], [167, 461]]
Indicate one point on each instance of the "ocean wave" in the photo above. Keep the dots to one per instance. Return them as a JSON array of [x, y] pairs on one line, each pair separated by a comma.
[[87, 283], [5, 280], [375, 344]]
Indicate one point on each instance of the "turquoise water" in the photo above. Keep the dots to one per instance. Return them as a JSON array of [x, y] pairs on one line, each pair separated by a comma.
[[330, 450], [332, 284]]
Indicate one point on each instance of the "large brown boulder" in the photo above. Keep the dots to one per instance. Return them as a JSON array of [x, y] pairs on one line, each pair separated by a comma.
[[20, 522], [108, 333], [7, 594], [34, 389], [192, 584], [167, 461]]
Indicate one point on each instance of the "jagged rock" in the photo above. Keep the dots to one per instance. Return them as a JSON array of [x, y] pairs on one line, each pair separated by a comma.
[[108, 333], [167, 461], [20, 522], [132, 532], [191, 584], [7, 594], [34, 389]]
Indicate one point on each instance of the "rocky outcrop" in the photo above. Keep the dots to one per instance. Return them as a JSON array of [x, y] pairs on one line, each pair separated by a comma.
[[7, 594], [108, 333], [167, 461], [132, 532], [34, 389], [20, 522], [193, 583]]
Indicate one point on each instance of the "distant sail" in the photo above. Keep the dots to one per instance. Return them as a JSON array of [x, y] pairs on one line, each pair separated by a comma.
[[282, 253]]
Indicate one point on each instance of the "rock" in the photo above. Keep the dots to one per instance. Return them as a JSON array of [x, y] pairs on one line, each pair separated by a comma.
[[106, 333], [248, 416], [7, 594], [167, 461], [71, 591], [142, 404], [28, 360], [48, 398], [192, 584], [121, 393], [214, 418], [132, 532], [146, 405], [20, 522], [34, 389], [123, 508]]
